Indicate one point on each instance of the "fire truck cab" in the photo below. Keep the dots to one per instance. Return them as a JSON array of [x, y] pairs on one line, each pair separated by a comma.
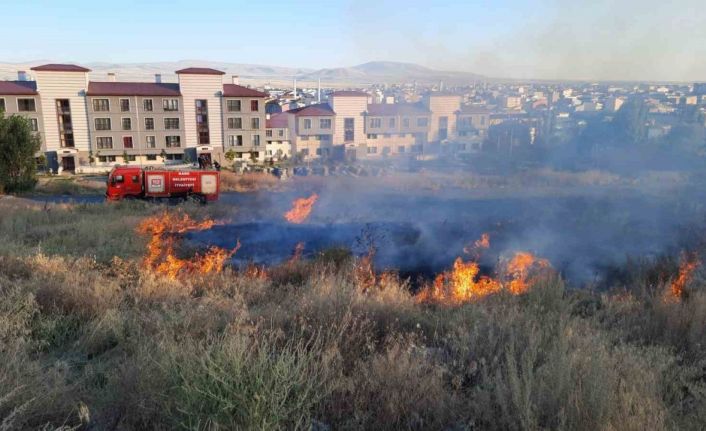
[[128, 182]]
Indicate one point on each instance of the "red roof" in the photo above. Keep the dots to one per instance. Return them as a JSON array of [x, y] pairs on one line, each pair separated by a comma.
[[17, 88], [60, 68], [394, 109], [320, 110], [278, 121], [233, 90], [200, 71], [349, 94], [132, 89]]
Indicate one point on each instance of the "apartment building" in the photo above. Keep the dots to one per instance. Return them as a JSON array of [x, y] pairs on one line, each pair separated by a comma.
[[21, 98], [472, 121], [399, 128], [86, 124], [349, 130], [443, 108], [278, 146], [311, 130], [138, 120], [62, 89], [244, 121]]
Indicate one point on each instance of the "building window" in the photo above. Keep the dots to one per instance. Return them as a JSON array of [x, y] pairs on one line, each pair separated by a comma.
[[372, 150], [348, 129], [150, 142], [392, 123], [26, 105], [127, 124], [235, 140], [104, 143], [372, 136], [375, 123], [255, 123], [304, 138], [268, 133], [304, 151], [2, 104], [102, 123], [151, 157], [325, 123], [422, 122], [124, 105], [101, 105], [405, 122], [127, 142], [173, 141], [256, 140], [171, 123], [280, 133], [307, 124], [174, 156], [33, 123], [254, 105], [105, 159], [149, 123], [400, 149], [147, 103], [170, 104], [235, 123], [233, 105]]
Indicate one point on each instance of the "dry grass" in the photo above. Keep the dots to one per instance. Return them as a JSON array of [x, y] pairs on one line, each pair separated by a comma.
[[100, 343]]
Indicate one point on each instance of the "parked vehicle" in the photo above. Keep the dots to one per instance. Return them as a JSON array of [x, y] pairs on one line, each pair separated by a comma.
[[133, 182]]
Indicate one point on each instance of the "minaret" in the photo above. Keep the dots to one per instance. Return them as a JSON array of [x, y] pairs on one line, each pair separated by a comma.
[[294, 96], [319, 90]]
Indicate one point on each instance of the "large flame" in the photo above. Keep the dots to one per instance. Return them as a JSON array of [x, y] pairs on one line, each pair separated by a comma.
[[161, 256], [463, 283], [301, 209], [519, 269], [687, 266]]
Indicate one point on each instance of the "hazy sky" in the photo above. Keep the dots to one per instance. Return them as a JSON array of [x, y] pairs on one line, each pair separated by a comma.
[[582, 39]]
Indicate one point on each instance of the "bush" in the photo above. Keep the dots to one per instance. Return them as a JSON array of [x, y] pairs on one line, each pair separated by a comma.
[[18, 145]]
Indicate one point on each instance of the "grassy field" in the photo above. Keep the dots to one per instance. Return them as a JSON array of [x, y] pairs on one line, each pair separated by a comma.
[[90, 338]]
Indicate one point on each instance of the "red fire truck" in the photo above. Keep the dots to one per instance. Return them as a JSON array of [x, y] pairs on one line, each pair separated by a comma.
[[133, 182]]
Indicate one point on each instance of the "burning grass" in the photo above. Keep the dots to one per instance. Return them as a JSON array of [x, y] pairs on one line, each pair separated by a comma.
[[301, 209], [108, 344], [464, 282], [161, 257]]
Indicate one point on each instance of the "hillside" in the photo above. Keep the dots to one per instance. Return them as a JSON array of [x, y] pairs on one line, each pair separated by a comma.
[[372, 72]]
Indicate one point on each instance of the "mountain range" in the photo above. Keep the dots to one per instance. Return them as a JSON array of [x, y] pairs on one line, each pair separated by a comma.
[[368, 73]]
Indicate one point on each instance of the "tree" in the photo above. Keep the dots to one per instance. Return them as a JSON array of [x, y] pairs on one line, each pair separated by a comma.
[[18, 145], [230, 155], [126, 158]]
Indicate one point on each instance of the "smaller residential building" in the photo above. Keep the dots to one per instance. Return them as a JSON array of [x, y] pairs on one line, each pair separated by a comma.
[[393, 129], [311, 131]]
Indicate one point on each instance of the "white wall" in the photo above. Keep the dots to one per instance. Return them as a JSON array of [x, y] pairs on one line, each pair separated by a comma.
[[206, 87], [63, 85]]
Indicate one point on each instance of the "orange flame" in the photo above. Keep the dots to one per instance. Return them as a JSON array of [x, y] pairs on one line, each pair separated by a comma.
[[518, 270], [687, 266], [301, 209], [297, 254], [463, 283], [480, 244], [161, 256]]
